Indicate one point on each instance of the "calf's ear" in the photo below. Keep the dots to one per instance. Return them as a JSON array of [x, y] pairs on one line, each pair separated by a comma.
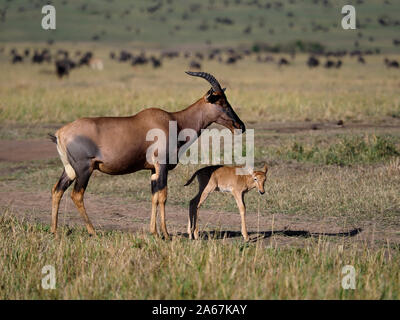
[[265, 168]]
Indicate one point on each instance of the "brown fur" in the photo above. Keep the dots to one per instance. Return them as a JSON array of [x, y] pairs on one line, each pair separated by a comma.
[[121, 146], [225, 179]]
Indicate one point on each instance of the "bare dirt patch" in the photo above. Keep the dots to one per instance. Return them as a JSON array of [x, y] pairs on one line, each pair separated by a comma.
[[27, 150], [339, 126], [112, 213]]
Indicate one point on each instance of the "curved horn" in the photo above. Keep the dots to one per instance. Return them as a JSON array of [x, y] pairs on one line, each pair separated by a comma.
[[210, 78]]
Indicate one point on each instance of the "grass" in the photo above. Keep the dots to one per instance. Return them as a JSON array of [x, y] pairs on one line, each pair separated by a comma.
[[348, 151], [132, 23], [30, 94], [116, 265]]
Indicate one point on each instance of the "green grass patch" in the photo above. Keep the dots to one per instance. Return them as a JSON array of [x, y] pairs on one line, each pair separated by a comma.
[[347, 151]]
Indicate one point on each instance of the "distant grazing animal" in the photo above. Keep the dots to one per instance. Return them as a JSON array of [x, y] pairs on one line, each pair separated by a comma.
[[17, 58], [195, 65], [224, 179], [63, 67], [96, 64], [383, 22], [118, 145], [283, 62], [329, 64], [85, 60], [156, 62], [231, 60], [391, 64], [124, 56], [37, 57], [40, 57], [139, 60], [312, 62]]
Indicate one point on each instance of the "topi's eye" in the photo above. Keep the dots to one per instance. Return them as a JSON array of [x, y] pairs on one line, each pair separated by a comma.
[[212, 98]]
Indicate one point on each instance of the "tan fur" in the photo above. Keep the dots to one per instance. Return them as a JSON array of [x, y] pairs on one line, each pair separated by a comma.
[[56, 197], [77, 198], [62, 151], [224, 179], [155, 176]]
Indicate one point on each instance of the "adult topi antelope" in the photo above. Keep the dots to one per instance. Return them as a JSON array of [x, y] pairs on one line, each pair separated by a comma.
[[117, 145]]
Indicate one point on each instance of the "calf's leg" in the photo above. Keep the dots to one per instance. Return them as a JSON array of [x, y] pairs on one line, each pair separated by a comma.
[[242, 208], [195, 227]]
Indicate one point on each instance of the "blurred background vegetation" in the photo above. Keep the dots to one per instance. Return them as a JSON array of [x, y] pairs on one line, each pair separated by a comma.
[[283, 25]]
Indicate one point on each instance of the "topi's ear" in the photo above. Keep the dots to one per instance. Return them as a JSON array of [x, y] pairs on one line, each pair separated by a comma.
[[223, 89], [209, 93], [265, 168], [211, 97]]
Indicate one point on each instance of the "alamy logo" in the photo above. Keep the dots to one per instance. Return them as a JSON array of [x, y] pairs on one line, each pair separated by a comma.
[[349, 20], [49, 280], [184, 147], [49, 20], [349, 280]]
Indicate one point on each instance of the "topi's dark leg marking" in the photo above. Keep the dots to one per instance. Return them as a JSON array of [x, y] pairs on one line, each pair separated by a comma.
[[82, 153], [161, 182], [159, 197], [57, 192], [77, 194]]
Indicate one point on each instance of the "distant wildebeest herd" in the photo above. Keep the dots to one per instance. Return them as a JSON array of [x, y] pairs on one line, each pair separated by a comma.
[[231, 56], [64, 61]]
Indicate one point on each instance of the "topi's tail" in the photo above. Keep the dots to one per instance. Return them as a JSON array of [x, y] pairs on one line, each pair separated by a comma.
[[62, 151], [191, 179], [53, 138]]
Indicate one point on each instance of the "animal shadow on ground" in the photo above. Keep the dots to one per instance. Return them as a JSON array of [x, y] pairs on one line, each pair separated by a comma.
[[221, 234]]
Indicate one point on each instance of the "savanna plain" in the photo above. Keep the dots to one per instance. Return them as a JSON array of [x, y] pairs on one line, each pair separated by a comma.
[[331, 139]]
